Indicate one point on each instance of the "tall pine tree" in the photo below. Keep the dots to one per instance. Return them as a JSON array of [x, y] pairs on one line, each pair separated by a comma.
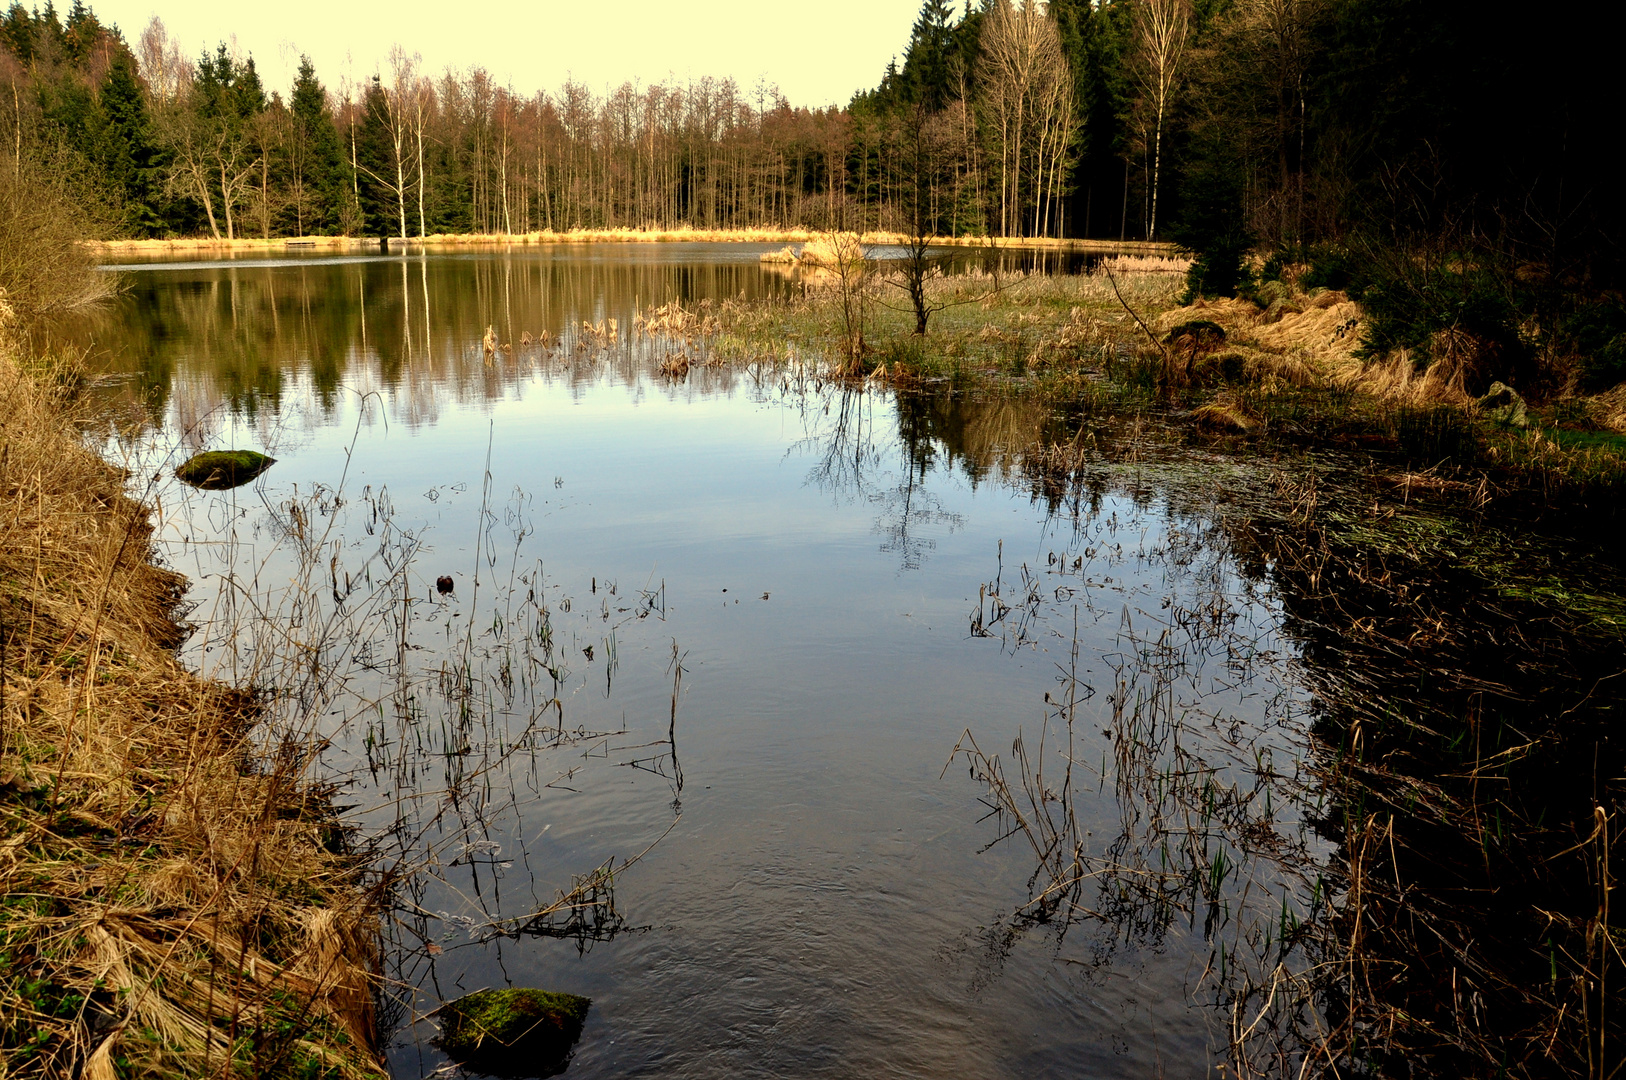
[[373, 163]]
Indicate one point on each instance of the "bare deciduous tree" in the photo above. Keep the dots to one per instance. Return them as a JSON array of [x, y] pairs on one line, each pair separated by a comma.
[[1027, 97], [400, 99], [1162, 28], [423, 108], [166, 70]]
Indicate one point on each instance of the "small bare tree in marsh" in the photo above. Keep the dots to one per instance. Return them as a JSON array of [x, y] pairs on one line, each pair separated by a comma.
[[935, 148], [839, 257]]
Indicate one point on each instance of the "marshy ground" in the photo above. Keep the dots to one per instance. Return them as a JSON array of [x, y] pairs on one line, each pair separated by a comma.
[[1285, 677]]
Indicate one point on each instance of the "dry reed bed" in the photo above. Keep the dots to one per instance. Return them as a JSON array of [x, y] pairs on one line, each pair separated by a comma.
[[173, 906]]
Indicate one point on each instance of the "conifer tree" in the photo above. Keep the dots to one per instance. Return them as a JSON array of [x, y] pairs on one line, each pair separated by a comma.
[[316, 160], [926, 64], [82, 33], [373, 164], [125, 148], [17, 32]]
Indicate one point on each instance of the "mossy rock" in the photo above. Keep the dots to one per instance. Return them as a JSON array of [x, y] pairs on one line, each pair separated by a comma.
[[1277, 310], [1504, 406], [516, 1032], [1225, 367], [216, 470], [1271, 292]]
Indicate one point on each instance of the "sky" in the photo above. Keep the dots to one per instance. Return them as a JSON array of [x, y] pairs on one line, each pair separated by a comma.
[[817, 54]]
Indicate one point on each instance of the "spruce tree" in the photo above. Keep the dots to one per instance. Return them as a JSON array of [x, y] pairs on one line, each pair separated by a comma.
[[17, 32], [926, 63], [247, 92], [378, 207], [124, 146], [82, 32], [318, 159]]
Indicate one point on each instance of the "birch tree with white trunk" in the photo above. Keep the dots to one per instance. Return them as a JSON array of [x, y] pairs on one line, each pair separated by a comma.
[[1027, 99], [1162, 29]]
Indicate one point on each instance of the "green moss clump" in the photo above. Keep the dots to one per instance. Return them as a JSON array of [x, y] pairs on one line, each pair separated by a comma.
[[1204, 331], [216, 470], [513, 1032]]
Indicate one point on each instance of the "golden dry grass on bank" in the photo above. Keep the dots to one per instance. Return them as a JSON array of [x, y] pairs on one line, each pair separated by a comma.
[[171, 904], [202, 245], [1313, 339]]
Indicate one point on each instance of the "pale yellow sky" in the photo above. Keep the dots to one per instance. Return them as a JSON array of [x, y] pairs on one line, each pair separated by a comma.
[[818, 53]]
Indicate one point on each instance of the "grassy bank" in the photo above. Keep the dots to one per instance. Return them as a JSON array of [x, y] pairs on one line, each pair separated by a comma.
[[1288, 372], [176, 903]]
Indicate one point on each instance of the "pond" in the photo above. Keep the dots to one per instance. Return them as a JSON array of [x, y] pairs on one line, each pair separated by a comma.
[[762, 634]]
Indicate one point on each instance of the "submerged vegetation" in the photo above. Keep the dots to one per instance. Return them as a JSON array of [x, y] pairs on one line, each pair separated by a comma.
[[1449, 574]]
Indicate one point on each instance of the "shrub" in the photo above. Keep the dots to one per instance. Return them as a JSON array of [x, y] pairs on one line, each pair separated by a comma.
[[1335, 268], [43, 266], [1597, 336], [1413, 306], [1210, 222]]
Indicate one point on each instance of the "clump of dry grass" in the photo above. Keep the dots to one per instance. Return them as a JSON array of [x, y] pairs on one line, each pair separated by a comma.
[[1225, 413], [1609, 409], [173, 906]]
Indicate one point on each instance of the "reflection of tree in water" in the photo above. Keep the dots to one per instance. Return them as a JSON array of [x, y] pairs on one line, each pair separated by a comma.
[[905, 510], [1364, 774], [280, 337], [847, 446], [980, 435], [851, 465]]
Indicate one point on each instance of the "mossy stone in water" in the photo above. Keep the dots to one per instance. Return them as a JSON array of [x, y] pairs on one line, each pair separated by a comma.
[[216, 470], [516, 1032]]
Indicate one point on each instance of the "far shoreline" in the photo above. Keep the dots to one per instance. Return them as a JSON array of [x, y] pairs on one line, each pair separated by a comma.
[[300, 244]]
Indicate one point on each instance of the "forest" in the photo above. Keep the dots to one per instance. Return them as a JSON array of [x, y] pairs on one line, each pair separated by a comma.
[[1444, 162]]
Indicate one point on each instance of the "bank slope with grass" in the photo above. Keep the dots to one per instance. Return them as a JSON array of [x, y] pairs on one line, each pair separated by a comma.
[[176, 902]]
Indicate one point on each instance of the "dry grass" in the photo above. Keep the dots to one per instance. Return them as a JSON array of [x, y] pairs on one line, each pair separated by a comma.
[[174, 906], [194, 244], [1609, 409], [1146, 264], [1312, 340]]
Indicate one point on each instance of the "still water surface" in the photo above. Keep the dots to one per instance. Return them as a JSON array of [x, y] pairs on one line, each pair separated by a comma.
[[822, 899]]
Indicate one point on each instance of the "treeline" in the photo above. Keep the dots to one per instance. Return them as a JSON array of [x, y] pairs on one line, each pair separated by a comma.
[[175, 145], [1446, 162], [1227, 125]]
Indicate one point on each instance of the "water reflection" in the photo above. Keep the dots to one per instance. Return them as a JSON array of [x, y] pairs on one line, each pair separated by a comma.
[[256, 339]]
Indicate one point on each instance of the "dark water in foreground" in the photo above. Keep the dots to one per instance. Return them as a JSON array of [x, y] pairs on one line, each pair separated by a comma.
[[818, 561]]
